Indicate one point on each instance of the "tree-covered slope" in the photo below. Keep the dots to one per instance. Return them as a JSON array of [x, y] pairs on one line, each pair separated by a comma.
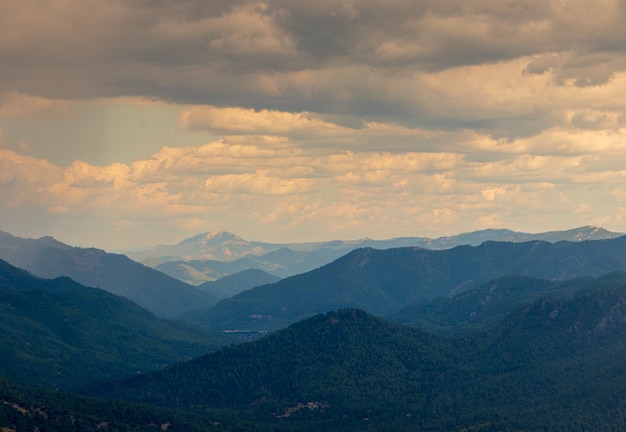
[[60, 334], [25, 409], [383, 281], [487, 304], [340, 356], [554, 365]]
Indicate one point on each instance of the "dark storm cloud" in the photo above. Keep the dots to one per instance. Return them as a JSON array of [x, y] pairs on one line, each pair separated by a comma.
[[362, 59], [423, 34]]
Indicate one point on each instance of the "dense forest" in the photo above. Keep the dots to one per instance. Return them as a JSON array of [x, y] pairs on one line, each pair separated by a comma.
[[489, 303], [59, 334], [555, 365], [514, 353], [27, 410]]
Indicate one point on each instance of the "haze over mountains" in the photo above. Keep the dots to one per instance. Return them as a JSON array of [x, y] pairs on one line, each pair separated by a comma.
[[384, 281], [496, 336], [116, 273], [163, 291], [212, 255]]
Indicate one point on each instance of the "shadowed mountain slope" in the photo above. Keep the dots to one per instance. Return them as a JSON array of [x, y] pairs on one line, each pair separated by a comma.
[[27, 409], [489, 303], [234, 284], [151, 289], [554, 365], [383, 281], [59, 334]]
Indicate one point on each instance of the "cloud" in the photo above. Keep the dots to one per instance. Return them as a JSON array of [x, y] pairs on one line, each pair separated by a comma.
[[24, 178], [272, 185], [229, 53], [285, 68], [304, 117], [257, 183], [240, 120], [92, 182]]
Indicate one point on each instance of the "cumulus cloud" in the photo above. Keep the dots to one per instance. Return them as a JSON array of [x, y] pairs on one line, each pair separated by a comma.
[[92, 182], [299, 116], [237, 186], [240, 120]]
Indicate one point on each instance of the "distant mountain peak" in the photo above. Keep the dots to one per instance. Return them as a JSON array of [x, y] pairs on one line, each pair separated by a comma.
[[210, 237], [218, 234], [51, 241], [591, 230], [212, 245], [45, 240]]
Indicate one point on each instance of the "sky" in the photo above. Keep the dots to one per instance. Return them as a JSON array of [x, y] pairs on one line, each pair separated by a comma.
[[127, 124]]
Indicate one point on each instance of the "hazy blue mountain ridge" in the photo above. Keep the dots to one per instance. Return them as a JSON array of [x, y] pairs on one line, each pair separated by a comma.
[[116, 273], [215, 245], [231, 285], [491, 302], [210, 256], [383, 281], [225, 246]]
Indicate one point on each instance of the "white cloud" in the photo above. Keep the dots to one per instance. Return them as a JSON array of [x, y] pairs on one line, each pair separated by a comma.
[[258, 183], [239, 120], [309, 118], [237, 186]]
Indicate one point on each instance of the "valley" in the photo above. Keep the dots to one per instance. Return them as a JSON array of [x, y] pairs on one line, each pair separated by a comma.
[[312, 216], [503, 335]]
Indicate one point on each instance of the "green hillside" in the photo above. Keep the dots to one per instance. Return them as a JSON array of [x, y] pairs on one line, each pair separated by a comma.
[[477, 308], [25, 410], [554, 365], [60, 334]]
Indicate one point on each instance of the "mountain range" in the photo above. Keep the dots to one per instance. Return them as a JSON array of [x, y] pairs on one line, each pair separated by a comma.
[[116, 273], [216, 254], [516, 336], [486, 305], [552, 365], [384, 281]]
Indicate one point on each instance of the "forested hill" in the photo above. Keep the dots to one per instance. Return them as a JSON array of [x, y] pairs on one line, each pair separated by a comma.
[[487, 304], [234, 284], [347, 355], [59, 334], [383, 281], [25, 410], [554, 365]]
